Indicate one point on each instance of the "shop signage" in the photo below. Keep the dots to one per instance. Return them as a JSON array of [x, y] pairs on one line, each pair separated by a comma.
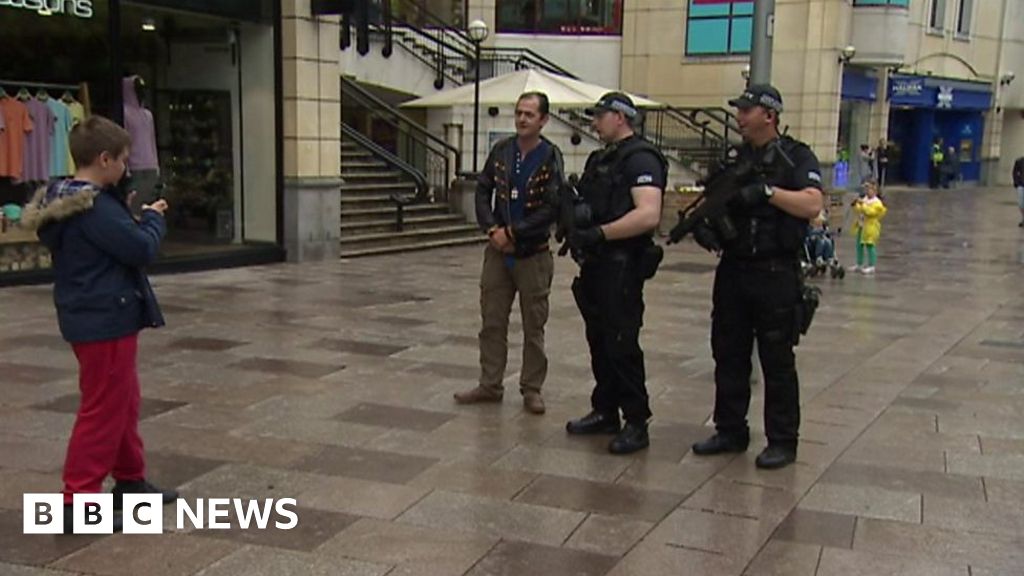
[[944, 99], [907, 86], [78, 8]]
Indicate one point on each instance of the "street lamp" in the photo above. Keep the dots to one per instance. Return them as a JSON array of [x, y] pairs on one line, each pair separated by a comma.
[[478, 32]]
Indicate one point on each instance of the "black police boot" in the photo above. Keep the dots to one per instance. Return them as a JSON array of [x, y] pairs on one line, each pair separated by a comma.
[[776, 456], [140, 487], [633, 438], [721, 444], [69, 521], [594, 423]]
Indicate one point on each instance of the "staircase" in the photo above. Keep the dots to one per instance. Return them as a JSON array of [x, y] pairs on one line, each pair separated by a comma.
[[695, 137], [369, 210]]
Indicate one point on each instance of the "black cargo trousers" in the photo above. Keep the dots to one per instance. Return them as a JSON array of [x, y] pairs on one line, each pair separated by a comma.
[[609, 294], [756, 300]]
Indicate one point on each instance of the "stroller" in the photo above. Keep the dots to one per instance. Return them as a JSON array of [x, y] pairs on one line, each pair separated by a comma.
[[819, 253]]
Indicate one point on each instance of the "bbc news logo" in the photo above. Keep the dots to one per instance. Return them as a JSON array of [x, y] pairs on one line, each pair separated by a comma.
[[144, 514]]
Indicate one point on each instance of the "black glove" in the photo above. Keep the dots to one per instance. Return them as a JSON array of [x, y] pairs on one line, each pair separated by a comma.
[[585, 238], [707, 238], [751, 196]]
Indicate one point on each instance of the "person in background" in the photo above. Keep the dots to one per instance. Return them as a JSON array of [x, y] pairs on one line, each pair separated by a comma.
[[950, 168], [865, 166], [882, 162], [1018, 183], [935, 173]]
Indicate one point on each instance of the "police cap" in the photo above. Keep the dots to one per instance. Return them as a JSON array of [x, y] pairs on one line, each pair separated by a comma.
[[764, 95]]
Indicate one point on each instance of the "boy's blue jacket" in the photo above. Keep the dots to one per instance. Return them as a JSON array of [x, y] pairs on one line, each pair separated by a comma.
[[99, 252]]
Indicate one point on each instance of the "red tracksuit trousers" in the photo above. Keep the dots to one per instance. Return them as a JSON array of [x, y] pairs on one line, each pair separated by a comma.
[[105, 439]]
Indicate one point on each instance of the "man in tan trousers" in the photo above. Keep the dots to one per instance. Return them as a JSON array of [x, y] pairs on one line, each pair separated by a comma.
[[516, 205]]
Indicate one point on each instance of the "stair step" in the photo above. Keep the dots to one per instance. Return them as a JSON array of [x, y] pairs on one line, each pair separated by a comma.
[[387, 226], [363, 166], [366, 202], [351, 211], [390, 238], [410, 240], [354, 213], [354, 151], [382, 188], [368, 178], [412, 247]]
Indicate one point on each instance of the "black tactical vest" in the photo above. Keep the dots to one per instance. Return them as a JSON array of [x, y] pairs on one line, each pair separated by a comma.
[[767, 232], [603, 184]]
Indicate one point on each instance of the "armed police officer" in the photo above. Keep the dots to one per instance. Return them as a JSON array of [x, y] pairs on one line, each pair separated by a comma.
[[758, 289], [621, 190]]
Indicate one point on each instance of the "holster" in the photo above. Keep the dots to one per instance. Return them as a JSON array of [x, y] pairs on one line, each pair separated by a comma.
[[650, 260], [810, 297]]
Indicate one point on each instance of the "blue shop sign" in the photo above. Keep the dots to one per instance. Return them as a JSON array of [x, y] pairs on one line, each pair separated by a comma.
[[859, 86], [938, 93]]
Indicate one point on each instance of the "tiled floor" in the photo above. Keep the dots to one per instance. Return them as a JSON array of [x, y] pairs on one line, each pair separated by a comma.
[[332, 383]]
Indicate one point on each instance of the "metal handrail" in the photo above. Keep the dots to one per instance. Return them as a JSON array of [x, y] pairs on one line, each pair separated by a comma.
[[426, 152], [448, 46], [420, 180], [348, 84]]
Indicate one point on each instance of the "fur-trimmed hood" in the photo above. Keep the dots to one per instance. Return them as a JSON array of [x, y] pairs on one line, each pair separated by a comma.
[[60, 201]]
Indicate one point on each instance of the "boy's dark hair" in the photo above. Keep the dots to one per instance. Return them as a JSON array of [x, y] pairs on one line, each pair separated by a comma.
[[94, 136], [542, 101]]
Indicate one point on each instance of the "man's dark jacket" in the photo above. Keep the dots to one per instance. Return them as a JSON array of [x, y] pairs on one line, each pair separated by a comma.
[[494, 193]]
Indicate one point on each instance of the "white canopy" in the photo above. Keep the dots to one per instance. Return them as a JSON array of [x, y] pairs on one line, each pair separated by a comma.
[[505, 89]]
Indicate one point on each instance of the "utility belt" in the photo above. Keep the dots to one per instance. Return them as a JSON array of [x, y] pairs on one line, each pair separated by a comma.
[[808, 296], [769, 262], [642, 249]]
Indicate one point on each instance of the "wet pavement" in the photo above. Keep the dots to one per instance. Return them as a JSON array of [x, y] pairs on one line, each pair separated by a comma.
[[332, 384]]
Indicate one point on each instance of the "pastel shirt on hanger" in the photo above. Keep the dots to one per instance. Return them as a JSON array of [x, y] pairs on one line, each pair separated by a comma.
[[18, 124], [37, 143], [59, 146], [77, 115]]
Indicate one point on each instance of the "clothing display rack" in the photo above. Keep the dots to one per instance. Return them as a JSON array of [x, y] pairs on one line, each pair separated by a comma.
[[43, 85]]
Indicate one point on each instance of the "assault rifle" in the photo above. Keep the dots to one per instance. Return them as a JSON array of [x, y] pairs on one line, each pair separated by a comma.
[[573, 213], [722, 185]]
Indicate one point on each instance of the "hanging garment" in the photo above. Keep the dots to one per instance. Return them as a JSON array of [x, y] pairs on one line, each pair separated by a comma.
[[36, 165], [139, 123], [17, 125], [60, 150], [77, 115]]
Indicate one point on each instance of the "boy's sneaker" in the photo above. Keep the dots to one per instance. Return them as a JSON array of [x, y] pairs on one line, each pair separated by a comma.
[[868, 270], [140, 487], [854, 268]]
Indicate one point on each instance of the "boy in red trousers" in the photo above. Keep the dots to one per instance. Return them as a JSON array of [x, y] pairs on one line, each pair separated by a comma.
[[103, 300]]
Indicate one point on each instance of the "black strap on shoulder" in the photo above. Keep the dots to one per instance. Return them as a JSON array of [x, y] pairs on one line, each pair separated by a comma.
[[639, 144]]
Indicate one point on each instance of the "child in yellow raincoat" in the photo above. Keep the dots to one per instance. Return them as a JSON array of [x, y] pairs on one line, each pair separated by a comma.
[[870, 212]]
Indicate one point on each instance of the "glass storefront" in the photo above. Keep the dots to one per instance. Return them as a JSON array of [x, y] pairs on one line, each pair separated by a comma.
[[571, 17], [196, 89]]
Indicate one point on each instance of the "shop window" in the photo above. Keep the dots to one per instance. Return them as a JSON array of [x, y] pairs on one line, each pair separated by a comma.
[[963, 19], [719, 27], [937, 19], [55, 72], [186, 86], [899, 3], [569, 17]]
